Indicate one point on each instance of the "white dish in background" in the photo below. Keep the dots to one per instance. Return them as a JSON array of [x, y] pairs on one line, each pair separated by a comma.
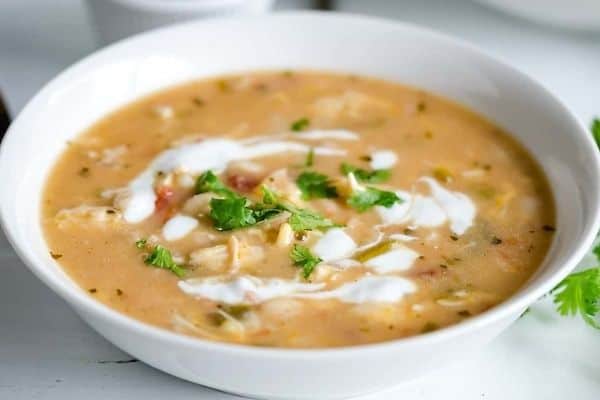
[[359, 45], [572, 14], [117, 19]]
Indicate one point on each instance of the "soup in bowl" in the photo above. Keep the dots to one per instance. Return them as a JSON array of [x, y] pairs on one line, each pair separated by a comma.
[[310, 214]]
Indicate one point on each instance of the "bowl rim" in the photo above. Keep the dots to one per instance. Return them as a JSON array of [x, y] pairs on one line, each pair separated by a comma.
[[515, 304]]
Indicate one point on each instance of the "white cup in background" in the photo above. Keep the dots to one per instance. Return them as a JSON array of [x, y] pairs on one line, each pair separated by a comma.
[[117, 19]]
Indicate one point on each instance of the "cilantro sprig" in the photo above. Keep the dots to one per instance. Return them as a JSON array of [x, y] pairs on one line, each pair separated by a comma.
[[579, 293], [300, 124], [595, 128], [310, 158], [362, 200], [161, 257], [301, 219], [302, 257], [232, 211], [314, 185], [363, 175], [209, 182]]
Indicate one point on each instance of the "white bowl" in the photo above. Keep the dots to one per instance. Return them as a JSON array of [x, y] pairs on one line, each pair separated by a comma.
[[394, 51], [117, 19], [572, 14]]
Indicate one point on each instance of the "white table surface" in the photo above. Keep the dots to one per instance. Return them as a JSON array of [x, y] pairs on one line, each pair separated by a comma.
[[47, 352]]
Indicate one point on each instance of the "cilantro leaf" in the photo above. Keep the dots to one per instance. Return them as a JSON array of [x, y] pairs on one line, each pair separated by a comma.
[[314, 186], [303, 258], [161, 257], [209, 182], [231, 213], [237, 212], [269, 196], [579, 293], [310, 158], [141, 243], [362, 175], [261, 212], [303, 219], [300, 125], [596, 131], [596, 252], [362, 200]]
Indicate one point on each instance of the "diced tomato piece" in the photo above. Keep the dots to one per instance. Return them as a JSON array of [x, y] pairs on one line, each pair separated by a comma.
[[164, 194]]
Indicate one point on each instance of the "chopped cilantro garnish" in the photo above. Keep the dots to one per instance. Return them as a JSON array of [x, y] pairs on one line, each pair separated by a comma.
[[310, 158], [579, 293], [300, 125], [362, 175], [596, 252], [301, 219], [596, 131], [209, 182], [161, 257], [314, 186], [362, 200], [141, 243], [231, 213], [269, 196], [303, 258], [237, 212]]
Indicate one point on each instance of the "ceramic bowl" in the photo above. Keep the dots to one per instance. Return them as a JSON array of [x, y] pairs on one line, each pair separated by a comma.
[[116, 19], [572, 14], [394, 51]]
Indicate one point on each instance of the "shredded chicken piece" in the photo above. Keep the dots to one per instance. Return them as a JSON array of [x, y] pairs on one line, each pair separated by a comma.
[[188, 139], [181, 324], [164, 112], [322, 273], [86, 215], [211, 258], [351, 104], [285, 237], [282, 307], [198, 204], [283, 185], [112, 156], [234, 249]]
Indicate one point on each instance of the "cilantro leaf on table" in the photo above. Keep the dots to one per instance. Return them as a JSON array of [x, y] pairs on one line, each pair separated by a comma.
[[579, 293], [595, 128]]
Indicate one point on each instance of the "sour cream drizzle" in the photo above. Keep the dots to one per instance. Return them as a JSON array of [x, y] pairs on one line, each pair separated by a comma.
[[316, 134], [383, 159], [195, 158], [245, 289], [252, 290], [178, 227], [431, 211]]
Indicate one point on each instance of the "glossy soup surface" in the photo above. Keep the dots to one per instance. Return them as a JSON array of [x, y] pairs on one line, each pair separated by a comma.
[[338, 210]]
